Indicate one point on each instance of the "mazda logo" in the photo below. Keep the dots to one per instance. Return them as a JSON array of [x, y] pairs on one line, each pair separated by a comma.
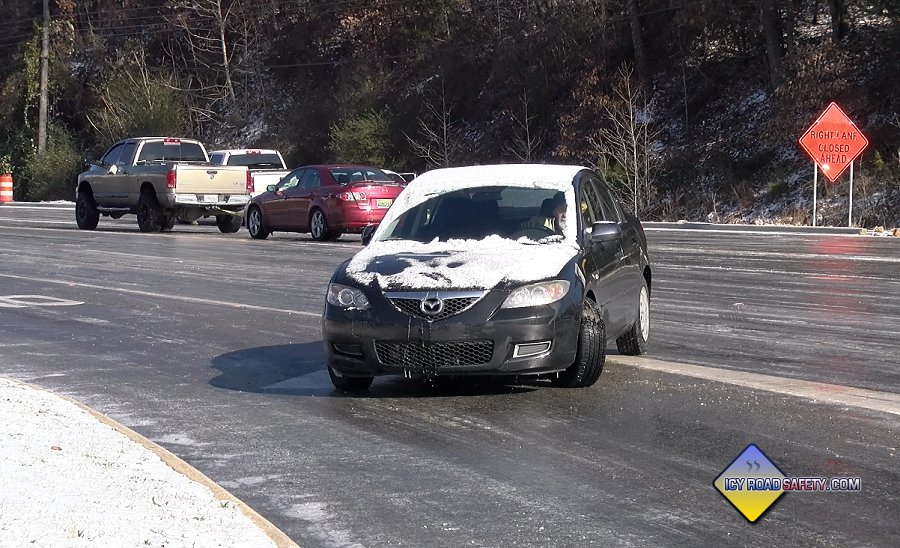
[[431, 306]]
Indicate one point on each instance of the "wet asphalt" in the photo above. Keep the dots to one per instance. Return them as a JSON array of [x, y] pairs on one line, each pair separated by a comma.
[[210, 345]]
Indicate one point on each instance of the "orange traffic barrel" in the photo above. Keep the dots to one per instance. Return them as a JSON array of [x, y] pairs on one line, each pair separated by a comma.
[[6, 187]]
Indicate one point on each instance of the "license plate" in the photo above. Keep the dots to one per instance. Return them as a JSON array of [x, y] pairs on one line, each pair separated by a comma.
[[209, 198], [383, 202]]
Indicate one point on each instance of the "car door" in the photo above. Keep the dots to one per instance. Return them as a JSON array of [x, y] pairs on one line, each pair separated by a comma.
[[276, 209], [120, 181], [302, 200], [608, 270], [102, 183]]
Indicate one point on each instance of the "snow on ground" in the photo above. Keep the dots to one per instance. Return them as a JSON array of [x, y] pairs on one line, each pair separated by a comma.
[[70, 480]]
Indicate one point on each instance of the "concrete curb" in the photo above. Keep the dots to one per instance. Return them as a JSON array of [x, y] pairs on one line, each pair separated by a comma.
[[175, 463]]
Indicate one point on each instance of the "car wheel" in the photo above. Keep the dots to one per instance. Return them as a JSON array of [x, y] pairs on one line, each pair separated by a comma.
[[591, 353], [255, 226], [86, 214], [318, 226], [634, 342], [349, 384], [228, 224], [149, 214]]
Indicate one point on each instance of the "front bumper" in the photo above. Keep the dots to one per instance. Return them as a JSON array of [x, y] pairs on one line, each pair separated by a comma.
[[483, 339]]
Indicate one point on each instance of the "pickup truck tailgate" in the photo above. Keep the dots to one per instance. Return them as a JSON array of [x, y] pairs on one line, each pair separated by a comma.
[[210, 179]]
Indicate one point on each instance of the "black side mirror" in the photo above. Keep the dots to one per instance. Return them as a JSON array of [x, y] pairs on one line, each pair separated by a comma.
[[367, 233], [271, 188], [605, 232]]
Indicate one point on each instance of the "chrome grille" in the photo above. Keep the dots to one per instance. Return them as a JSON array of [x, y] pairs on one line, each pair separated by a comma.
[[454, 302], [435, 354]]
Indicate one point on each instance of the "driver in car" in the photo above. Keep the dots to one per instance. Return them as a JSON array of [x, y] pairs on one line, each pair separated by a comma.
[[552, 215]]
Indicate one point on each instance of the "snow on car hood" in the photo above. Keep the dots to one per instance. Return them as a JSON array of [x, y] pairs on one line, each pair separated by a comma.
[[458, 264]]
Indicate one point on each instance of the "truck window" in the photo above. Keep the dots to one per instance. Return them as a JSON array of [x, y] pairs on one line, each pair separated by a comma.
[[127, 155], [256, 160], [217, 158], [158, 151], [112, 155]]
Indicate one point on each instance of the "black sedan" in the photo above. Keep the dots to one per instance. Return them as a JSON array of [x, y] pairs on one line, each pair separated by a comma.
[[492, 270]]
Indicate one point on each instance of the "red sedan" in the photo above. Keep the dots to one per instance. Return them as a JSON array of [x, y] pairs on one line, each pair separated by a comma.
[[324, 200]]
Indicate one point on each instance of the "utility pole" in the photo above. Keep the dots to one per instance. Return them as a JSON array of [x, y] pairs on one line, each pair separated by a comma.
[[45, 60]]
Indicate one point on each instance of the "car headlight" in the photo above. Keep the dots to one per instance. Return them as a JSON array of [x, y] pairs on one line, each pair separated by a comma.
[[537, 294], [346, 297]]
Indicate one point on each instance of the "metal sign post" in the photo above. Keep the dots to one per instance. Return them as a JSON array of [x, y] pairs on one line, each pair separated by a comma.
[[850, 212], [815, 189]]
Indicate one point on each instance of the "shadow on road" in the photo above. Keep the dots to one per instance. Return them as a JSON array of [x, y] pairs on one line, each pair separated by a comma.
[[299, 370]]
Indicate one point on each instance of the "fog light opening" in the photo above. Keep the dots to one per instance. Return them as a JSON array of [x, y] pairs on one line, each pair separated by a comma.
[[354, 350], [531, 349]]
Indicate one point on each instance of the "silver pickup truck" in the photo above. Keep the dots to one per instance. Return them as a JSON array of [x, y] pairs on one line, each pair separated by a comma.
[[161, 179]]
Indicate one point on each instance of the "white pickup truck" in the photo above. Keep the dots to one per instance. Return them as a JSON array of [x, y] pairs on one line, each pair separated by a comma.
[[266, 166], [161, 179]]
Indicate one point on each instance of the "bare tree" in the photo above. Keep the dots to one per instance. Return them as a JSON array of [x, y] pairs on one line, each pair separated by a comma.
[[526, 138], [628, 140], [217, 44], [436, 144]]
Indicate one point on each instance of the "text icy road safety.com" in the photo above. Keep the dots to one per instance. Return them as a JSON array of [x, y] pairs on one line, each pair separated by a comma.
[[752, 483], [793, 484]]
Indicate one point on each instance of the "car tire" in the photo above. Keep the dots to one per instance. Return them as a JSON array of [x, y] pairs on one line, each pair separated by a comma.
[[255, 224], [353, 385], [149, 214], [318, 226], [635, 341], [591, 353], [86, 214], [228, 224]]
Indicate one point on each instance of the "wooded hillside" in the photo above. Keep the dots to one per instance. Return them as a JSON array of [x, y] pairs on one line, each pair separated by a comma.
[[691, 108]]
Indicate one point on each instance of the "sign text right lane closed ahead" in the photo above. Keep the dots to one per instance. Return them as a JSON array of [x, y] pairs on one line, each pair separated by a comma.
[[833, 141]]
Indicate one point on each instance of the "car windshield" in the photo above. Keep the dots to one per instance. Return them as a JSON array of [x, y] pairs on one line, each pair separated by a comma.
[[538, 214], [260, 160], [346, 175]]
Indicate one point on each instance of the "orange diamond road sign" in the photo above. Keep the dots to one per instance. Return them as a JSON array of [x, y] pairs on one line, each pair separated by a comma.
[[833, 142]]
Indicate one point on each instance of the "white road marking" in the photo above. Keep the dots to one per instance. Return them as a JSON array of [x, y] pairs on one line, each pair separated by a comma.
[[62, 208], [70, 223], [780, 255], [21, 301], [748, 231], [813, 275], [886, 402], [167, 296]]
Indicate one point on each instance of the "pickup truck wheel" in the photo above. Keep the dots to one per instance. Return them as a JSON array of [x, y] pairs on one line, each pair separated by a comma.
[[149, 214], [255, 226], [228, 224], [318, 226], [86, 214], [590, 354], [168, 223]]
